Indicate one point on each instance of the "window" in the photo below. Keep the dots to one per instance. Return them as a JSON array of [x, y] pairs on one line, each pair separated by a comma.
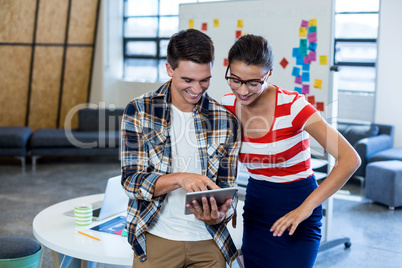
[[147, 28], [356, 32]]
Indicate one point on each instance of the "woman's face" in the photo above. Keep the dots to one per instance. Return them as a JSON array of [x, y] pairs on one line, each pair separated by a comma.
[[246, 95]]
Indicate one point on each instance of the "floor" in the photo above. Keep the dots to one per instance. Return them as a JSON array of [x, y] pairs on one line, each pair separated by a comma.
[[375, 231]]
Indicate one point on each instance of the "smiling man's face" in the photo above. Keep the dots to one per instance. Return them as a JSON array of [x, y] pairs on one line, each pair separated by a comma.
[[190, 80]]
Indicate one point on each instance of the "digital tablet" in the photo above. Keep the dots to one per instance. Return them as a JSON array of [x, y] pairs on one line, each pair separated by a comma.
[[220, 195]]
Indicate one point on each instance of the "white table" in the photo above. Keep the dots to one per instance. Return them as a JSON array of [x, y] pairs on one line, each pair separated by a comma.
[[59, 233]]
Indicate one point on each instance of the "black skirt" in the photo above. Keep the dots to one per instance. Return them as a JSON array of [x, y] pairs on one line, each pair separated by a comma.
[[265, 203]]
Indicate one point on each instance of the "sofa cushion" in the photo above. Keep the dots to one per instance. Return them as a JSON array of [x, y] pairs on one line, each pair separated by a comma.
[[99, 119], [54, 138], [50, 138], [72, 151], [387, 155], [354, 133], [13, 152], [14, 137]]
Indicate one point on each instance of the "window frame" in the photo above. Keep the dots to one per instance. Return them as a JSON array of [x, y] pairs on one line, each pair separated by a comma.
[[355, 40], [156, 39]]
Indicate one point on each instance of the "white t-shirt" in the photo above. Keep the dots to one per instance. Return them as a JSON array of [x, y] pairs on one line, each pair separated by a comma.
[[171, 222]]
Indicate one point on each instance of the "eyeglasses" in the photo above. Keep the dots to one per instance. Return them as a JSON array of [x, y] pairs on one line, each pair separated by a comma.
[[252, 84]]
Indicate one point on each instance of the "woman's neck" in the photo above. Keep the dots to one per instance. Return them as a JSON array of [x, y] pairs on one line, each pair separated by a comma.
[[263, 102]]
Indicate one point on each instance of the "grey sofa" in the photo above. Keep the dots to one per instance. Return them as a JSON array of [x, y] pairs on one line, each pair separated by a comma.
[[14, 142], [367, 139], [98, 134]]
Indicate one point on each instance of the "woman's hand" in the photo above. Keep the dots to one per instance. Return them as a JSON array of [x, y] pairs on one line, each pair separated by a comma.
[[290, 221]]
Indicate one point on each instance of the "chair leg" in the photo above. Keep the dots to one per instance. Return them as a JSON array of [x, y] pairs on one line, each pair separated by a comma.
[[362, 184], [34, 158], [22, 159]]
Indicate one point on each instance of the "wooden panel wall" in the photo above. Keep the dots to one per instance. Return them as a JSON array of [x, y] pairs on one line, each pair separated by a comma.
[[45, 89], [46, 52], [52, 21], [17, 19], [76, 80], [14, 78]]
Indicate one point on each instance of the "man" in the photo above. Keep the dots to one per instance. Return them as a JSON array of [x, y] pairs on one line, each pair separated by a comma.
[[176, 140]]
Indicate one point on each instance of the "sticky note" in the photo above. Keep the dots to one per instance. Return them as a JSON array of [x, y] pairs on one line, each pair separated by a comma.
[[298, 89], [204, 26], [320, 106], [296, 71], [305, 77], [302, 32], [299, 60], [306, 67], [225, 62], [239, 23], [312, 56], [303, 43], [216, 22], [284, 62], [311, 99], [295, 52], [312, 46], [304, 23], [312, 29], [298, 80], [318, 83], [190, 23], [306, 89], [303, 51], [312, 22], [306, 60], [312, 37], [238, 34], [323, 59]]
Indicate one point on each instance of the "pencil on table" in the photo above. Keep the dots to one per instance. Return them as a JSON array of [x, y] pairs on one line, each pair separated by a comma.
[[93, 237]]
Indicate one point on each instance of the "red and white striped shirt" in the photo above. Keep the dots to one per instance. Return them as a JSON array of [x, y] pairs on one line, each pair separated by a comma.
[[282, 154]]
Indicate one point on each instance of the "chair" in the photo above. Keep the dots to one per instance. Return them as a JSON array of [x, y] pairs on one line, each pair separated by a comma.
[[19, 252], [384, 183]]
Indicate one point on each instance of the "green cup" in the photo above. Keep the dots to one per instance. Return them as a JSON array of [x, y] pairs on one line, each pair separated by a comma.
[[83, 214]]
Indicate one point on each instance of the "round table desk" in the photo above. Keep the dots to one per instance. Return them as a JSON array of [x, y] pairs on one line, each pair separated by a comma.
[[59, 233]]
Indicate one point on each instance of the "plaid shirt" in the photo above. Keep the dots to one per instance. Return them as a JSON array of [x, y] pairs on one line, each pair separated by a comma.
[[146, 155]]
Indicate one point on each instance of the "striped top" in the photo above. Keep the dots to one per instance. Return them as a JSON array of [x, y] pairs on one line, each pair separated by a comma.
[[283, 153]]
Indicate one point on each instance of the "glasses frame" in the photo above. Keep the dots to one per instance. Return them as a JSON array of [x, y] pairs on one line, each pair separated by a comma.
[[261, 81]]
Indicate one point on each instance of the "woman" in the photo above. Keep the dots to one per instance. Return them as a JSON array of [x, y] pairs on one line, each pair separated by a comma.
[[282, 211]]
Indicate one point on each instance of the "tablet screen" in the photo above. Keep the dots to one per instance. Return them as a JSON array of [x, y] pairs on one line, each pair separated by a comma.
[[220, 195]]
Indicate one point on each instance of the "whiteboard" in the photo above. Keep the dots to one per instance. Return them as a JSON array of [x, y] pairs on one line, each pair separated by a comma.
[[280, 23]]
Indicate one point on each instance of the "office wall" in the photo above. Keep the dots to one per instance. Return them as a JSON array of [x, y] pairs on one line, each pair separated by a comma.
[[46, 50], [108, 89], [118, 92], [389, 88]]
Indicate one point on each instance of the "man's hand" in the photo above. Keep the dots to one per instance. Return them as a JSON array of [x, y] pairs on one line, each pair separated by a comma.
[[194, 182], [190, 182], [210, 214]]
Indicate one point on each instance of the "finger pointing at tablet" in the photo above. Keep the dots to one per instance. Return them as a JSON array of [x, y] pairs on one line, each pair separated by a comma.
[[193, 182], [190, 182]]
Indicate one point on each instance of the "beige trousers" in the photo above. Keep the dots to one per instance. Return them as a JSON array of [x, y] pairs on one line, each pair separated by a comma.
[[164, 253]]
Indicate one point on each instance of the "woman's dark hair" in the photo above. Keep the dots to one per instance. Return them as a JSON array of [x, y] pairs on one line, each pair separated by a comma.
[[252, 50], [191, 45]]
